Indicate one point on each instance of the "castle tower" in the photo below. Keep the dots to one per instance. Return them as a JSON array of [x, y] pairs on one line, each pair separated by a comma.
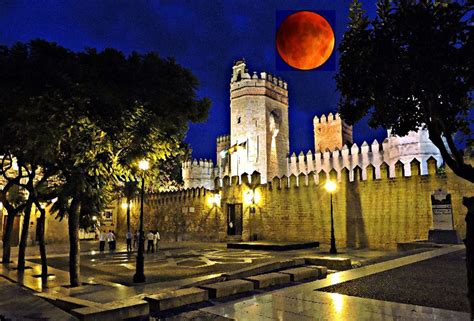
[[331, 133], [223, 158], [259, 139]]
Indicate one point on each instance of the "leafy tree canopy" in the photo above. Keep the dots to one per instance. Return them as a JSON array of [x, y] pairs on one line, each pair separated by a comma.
[[412, 66], [94, 109]]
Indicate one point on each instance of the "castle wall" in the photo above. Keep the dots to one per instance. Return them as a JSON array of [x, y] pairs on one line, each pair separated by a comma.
[[223, 159], [374, 212], [331, 133], [185, 215], [392, 150], [198, 173]]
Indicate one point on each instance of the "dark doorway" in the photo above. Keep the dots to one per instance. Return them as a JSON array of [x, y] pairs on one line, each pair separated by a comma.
[[234, 219]]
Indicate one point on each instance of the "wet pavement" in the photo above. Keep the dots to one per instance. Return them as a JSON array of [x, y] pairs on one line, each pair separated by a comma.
[[439, 282], [17, 303], [103, 276], [307, 302]]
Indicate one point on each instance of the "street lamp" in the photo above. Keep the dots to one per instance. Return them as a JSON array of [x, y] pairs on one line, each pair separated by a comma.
[[139, 276], [331, 186]]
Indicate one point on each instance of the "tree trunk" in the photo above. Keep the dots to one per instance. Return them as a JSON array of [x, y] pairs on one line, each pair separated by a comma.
[[128, 214], [469, 242], [42, 245], [7, 235], [74, 245], [24, 237]]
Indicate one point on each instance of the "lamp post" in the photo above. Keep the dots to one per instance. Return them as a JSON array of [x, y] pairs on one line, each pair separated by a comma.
[[139, 276], [330, 186]]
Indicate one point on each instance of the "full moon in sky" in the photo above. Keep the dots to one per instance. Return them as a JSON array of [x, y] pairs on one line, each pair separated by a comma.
[[305, 40]]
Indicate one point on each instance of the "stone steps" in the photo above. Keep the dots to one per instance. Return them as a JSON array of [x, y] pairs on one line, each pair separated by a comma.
[[269, 279], [264, 268], [243, 281], [228, 288], [119, 310], [66, 303], [333, 263], [301, 273], [174, 299]]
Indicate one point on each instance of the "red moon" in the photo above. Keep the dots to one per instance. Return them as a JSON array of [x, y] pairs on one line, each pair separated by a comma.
[[305, 40]]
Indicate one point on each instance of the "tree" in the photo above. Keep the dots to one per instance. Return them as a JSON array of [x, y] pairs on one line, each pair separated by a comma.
[[412, 67], [100, 113], [12, 198], [130, 190]]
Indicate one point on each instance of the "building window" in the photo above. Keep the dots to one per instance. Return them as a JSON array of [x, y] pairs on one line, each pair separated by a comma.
[[238, 120]]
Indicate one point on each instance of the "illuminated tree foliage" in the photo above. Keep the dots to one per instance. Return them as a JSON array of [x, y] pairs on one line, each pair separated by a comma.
[[86, 118]]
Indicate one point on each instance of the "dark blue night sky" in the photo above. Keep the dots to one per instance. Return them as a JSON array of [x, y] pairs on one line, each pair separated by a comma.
[[205, 36]]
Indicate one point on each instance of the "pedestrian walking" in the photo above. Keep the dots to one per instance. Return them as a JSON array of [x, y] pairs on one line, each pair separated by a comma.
[[156, 240], [151, 238], [111, 240], [128, 236], [102, 239]]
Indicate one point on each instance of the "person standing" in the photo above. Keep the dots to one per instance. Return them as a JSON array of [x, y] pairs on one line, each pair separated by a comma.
[[102, 238], [151, 238], [110, 240], [128, 236], [156, 240]]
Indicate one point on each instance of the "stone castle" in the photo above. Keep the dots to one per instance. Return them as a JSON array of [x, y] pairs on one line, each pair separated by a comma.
[[259, 139], [387, 193]]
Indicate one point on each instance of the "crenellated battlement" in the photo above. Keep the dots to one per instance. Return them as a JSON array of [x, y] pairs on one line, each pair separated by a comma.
[[327, 119], [198, 173], [201, 163], [243, 83], [331, 132], [223, 139], [356, 156], [193, 194], [315, 177]]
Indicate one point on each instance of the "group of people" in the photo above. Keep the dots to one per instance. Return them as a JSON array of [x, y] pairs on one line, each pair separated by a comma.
[[153, 237], [109, 237]]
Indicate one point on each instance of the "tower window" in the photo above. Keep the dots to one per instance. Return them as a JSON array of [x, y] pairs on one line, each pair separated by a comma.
[[238, 120]]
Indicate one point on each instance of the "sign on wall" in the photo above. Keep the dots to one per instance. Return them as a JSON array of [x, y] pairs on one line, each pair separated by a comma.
[[442, 210]]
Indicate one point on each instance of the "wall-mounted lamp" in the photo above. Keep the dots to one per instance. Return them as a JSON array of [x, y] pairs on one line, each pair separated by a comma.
[[249, 197], [214, 200]]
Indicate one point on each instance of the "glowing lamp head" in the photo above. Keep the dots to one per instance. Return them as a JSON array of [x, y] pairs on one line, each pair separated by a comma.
[[94, 218], [214, 200], [125, 206], [330, 186], [144, 165], [249, 197]]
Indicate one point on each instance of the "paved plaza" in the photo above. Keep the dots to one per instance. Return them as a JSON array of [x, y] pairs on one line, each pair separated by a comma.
[[381, 285], [307, 302]]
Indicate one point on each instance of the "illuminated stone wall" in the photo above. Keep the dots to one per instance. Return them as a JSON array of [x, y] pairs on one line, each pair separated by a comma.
[[185, 215], [331, 133], [374, 212]]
